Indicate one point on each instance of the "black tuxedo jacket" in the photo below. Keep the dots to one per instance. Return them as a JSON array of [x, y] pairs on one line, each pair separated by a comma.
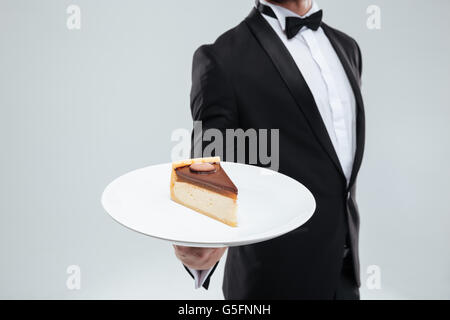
[[248, 79]]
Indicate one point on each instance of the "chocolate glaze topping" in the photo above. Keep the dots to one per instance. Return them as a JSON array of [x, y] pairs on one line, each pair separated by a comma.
[[216, 180]]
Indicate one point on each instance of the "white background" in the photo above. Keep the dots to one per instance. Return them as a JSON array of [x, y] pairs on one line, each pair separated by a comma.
[[79, 108]]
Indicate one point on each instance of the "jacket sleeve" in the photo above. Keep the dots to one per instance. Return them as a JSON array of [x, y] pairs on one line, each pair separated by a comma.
[[213, 104]]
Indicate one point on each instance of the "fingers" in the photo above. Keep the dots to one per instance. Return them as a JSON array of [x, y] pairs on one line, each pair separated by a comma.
[[193, 251], [195, 258], [199, 258]]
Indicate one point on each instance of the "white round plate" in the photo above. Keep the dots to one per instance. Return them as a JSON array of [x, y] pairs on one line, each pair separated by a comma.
[[270, 204]]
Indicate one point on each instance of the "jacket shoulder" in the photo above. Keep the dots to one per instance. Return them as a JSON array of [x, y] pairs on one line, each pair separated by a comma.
[[344, 38], [226, 45]]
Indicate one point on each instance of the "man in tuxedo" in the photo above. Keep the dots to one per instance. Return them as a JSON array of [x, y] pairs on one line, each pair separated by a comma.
[[283, 67]]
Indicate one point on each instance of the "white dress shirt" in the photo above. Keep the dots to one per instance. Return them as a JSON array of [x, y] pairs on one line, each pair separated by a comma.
[[326, 78]]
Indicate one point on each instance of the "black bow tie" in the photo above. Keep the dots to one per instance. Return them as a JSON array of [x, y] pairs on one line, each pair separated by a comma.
[[294, 24]]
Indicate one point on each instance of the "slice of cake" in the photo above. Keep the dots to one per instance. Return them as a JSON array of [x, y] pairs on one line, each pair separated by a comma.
[[202, 185]]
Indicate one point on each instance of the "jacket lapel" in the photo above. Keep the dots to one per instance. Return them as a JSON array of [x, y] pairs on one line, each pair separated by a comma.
[[354, 82], [293, 79]]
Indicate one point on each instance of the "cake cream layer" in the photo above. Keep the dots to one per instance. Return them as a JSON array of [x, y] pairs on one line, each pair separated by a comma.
[[212, 204]]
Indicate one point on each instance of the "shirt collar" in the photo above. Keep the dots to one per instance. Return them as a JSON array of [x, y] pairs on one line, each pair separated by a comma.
[[283, 13]]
